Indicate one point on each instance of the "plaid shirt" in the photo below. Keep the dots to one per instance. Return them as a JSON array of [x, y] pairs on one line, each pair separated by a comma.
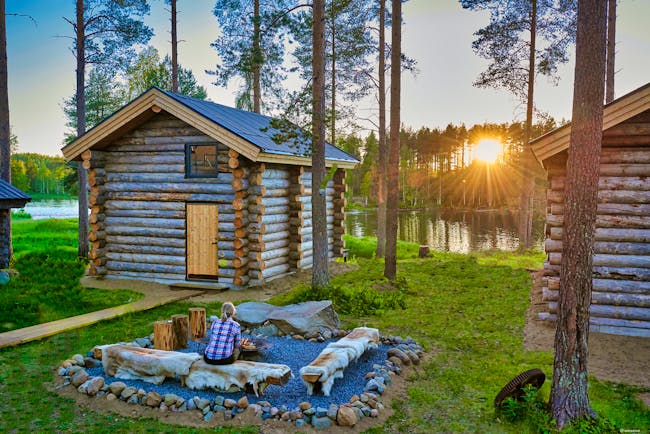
[[222, 337]]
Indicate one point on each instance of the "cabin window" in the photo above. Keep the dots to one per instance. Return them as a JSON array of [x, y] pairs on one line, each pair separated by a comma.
[[201, 161]]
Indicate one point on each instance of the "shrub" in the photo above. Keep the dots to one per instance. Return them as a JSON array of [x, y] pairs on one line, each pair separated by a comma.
[[534, 412], [358, 297], [350, 301]]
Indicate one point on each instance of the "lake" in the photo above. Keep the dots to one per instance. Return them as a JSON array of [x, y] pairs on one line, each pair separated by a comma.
[[450, 230], [445, 230], [52, 208]]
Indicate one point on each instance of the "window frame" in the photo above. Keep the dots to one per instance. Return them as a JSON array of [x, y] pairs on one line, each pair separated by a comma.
[[188, 161]]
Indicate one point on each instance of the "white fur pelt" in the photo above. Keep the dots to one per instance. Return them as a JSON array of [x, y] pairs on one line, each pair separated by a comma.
[[152, 366], [222, 377], [332, 361]]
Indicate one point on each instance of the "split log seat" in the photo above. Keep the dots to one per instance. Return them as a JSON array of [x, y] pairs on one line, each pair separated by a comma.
[[332, 361], [153, 366], [242, 374]]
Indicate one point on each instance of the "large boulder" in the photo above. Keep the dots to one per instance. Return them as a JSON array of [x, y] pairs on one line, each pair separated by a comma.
[[301, 318]]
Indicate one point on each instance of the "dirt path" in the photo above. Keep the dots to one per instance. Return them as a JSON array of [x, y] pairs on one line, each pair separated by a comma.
[[621, 359], [154, 295]]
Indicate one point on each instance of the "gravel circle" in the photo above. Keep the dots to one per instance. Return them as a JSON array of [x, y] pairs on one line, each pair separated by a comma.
[[281, 350]]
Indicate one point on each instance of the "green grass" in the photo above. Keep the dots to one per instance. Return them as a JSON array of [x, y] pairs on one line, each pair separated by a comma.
[[21, 214], [45, 286], [365, 247], [467, 310], [529, 260], [29, 405]]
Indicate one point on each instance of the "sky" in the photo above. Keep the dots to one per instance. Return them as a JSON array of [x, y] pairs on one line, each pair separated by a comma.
[[436, 33]]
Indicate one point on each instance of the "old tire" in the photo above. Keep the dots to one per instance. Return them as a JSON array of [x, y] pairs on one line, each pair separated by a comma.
[[515, 387]]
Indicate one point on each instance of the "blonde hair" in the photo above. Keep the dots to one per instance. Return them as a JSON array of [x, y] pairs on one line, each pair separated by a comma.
[[227, 311]]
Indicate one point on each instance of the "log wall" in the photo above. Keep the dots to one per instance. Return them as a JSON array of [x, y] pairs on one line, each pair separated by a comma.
[[138, 196], [621, 264]]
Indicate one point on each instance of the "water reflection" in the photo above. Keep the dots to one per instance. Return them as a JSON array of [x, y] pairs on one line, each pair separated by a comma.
[[454, 231], [52, 208]]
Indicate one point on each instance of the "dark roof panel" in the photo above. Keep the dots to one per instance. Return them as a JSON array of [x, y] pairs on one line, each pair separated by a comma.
[[9, 192], [251, 127]]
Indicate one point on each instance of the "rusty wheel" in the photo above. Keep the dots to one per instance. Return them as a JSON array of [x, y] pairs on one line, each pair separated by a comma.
[[515, 387]]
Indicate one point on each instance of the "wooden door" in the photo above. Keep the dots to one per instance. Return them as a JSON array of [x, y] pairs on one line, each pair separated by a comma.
[[202, 224]]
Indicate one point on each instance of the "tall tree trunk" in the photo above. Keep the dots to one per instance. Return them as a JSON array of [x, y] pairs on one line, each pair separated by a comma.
[[611, 50], [174, 49], [5, 133], [257, 58], [569, 399], [528, 184], [5, 139], [321, 276], [382, 147], [392, 202], [333, 72], [82, 176]]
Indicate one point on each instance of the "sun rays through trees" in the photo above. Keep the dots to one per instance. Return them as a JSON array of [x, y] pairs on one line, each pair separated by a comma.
[[474, 168]]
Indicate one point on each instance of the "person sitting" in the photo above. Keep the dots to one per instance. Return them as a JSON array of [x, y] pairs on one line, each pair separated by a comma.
[[225, 338]]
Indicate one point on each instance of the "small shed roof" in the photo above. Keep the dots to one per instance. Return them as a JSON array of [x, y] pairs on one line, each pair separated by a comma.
[[614, 113], [246, 132], [11, 197]]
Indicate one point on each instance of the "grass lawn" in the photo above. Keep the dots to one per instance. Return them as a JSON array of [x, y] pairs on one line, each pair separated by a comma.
[[467, 310], [46, 287]]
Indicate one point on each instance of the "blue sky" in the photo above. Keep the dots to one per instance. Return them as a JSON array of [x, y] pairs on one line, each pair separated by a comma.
[[437, 33]]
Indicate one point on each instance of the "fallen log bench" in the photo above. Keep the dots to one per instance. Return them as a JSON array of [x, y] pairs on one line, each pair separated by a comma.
[[129, 362], [332, 361], [153, 366], [241, 374]]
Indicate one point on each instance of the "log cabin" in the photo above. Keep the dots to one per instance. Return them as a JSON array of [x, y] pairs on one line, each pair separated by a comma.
[[10, 197], [620, 301], [189, 192]]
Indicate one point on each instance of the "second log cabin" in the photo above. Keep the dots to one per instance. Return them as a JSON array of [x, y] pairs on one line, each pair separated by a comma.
[[620, 301], [184, 190]]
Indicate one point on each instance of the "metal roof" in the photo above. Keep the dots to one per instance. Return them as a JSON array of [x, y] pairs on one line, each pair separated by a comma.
[[9, 192], [253, 127]]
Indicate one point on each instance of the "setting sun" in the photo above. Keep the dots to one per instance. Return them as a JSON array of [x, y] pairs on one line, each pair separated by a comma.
[[488, 150]]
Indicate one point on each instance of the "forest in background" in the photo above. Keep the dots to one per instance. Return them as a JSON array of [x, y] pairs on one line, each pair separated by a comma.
[[438, 167], [43, 174]]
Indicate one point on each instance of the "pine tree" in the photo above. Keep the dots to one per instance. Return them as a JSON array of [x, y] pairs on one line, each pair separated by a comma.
[[320, 276], [105, 34], [251, 48], [524, 38], [569, 398], [5, 140], [392, 201]]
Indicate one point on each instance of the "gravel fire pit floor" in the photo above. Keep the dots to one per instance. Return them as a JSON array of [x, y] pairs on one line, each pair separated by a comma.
[[283, 350]]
